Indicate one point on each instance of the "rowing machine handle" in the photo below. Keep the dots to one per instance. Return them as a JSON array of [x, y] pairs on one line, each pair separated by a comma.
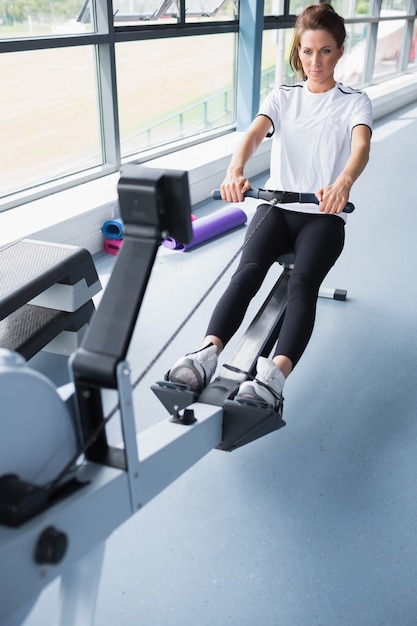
[[286, 197]]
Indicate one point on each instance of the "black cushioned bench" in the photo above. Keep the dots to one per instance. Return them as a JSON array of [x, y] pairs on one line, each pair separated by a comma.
[[46, 293]]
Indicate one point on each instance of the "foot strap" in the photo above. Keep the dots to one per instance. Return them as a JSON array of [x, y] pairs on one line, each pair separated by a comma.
[[249, 376]]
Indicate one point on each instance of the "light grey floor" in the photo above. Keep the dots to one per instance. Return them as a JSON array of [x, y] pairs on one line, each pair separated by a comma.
[[313, 525]]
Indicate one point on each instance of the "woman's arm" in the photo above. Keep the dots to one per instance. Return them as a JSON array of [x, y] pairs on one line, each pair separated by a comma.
[[333, 197], [235, 183]]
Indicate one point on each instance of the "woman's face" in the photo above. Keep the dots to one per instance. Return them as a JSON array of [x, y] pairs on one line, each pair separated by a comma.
[[319, 55]]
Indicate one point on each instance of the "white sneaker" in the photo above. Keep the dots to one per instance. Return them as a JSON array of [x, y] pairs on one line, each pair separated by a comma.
[[266, 387], [195, 370]]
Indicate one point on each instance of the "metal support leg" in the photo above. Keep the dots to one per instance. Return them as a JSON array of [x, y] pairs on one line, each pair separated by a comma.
[[79, 588]]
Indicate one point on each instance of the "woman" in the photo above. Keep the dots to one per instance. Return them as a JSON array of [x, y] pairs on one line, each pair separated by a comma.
[[321, 143]]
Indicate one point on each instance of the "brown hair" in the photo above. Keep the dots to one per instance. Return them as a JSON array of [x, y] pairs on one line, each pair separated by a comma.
[[316, 17]]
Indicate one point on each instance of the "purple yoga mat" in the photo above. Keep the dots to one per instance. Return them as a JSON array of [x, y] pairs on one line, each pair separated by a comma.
[[205, 228]]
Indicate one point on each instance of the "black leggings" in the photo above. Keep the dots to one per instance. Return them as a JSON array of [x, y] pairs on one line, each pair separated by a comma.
[[317, 241]]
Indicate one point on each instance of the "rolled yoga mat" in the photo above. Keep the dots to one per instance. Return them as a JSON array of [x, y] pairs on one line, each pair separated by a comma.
[[113, 229], [206, 228], [112, 246]]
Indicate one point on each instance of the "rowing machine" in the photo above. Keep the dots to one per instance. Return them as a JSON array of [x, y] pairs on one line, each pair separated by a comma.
[[63, 488]]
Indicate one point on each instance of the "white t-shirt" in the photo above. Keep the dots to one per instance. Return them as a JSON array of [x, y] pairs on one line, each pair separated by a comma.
[[311, 136]]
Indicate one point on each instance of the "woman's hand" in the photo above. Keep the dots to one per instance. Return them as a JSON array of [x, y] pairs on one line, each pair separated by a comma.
[[235, 183], [333, 198], [234, 186]]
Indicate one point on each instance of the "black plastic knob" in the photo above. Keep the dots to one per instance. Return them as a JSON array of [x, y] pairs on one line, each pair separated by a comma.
[[51, 546]]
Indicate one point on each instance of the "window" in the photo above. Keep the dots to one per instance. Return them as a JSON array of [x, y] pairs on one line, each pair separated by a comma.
[[20, 18], [390, 40], [353, 8], [412, 57], [145, 12], [188, 89], [351, 68], [50, 126], [276, 45]]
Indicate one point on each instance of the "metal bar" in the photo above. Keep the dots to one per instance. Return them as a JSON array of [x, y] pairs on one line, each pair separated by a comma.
[[263, 331], [251, 21], [169, 449], [90, 515]]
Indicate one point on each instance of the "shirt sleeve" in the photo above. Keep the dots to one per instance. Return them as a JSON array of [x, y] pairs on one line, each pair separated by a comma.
[[362, 113], [270, 108]]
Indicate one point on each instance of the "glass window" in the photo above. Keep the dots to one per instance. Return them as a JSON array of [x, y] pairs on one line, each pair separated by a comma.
[[276, 7], [211, 10], [412, 61], [50, 125], [143, 11], [346, 8], [276, 46], [351, 67], [352, 8], [186, 90], [296, 6], [394, 5], [390, 40], [146, 12], [41, 19]]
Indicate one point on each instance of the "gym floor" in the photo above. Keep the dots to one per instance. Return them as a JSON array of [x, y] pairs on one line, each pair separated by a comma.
[[315, 524]]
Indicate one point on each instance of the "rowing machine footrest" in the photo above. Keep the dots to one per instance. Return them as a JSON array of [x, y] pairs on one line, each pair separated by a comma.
[[173, 395], [243, 423]]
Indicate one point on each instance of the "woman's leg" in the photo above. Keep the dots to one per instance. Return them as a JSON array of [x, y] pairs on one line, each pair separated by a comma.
[[318, 243], [266, 240], [317, 247]]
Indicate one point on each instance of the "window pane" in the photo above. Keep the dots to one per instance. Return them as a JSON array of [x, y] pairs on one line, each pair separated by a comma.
[[50, 125], [210, 10], [412, 62], [276, 7], [40, 19], [174, 88], [351, 67], [271, 7], [296, 6], [394, 5], [143, 11], [151, 11], [276, 45], [352, 8], [390, 40], [346, 8]]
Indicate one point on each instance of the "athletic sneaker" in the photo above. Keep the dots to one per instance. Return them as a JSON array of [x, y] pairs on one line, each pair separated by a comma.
[[195, 369], [266, 387]]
